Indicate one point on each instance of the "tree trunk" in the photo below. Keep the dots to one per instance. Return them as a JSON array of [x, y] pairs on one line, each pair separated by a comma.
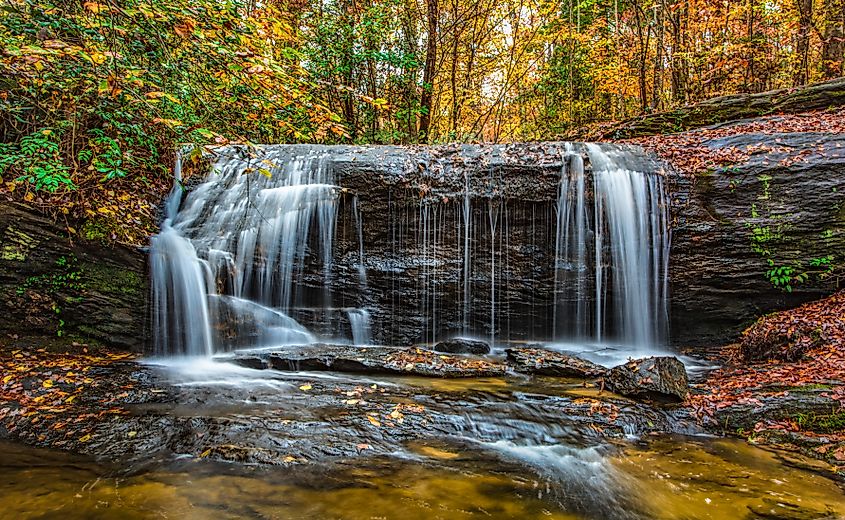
[[643, 56], [428, 72], [802, 41], [751, 80], [658, 57], [679, 71], [833, 46], [410, 73]]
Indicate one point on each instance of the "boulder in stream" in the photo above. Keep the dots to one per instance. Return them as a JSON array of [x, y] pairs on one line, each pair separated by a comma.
[[660, 378], [538, 361], [463, 346]]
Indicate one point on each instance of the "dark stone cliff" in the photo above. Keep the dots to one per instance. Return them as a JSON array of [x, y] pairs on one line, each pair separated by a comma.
[[60, 290], [783, 207]]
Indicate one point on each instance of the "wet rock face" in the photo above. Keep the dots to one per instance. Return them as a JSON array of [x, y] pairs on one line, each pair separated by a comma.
[[301, 417], [785, 204], [411, 204], [655, 378], [68, 289], [369, 360], [543, 362], [456, 240], [463, 346]]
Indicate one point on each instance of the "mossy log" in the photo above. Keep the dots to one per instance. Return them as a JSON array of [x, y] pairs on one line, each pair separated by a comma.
[[724, 109]]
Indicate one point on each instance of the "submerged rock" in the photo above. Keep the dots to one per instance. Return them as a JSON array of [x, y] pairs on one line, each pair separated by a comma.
[[543, 362], [662, 378], [463, 346]]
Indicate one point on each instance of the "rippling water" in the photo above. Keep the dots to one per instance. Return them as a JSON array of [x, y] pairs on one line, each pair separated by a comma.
[[496, 448], [665, 478]]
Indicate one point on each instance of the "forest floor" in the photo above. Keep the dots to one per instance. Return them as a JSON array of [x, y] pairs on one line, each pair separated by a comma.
[[784, 383], [688, 153]]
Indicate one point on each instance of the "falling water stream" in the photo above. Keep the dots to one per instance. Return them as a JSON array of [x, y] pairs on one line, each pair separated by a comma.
[[262, 225]]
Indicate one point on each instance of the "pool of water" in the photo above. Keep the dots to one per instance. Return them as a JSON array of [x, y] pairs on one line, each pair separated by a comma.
[[661, 477]]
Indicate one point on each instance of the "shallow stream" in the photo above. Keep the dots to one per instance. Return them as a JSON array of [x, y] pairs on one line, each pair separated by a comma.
[[488, 448]]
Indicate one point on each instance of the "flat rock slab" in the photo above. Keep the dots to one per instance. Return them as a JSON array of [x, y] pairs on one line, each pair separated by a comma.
[[661, 378], [538, 361], [370, 360]]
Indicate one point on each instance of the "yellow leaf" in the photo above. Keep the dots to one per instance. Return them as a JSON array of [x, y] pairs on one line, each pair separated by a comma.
[[85, 438], [305, 387], [132, 434], [70, 399], [7, 378], [289, 459], [265, 172], [375, 422], [47, 383], [94, 7], [205, 453]]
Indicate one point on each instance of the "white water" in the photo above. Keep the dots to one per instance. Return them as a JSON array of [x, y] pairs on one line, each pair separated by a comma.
[[252, 246], [244, 232], [359, 320], [622, 250]]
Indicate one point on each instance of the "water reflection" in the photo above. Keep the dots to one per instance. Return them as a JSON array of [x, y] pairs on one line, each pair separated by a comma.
[[663, 478]]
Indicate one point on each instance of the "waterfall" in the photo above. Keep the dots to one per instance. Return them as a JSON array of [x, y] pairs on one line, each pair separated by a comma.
[[635, 219], [245, 232], [359, 320], [623, 247], [278, 245]]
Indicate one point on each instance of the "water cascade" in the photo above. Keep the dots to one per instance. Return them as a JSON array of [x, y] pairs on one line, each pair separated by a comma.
[[621, 242], [247, 232], [286, 245], [359, 320]]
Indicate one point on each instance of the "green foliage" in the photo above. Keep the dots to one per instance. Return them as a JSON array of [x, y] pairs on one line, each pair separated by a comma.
[[833, 422], [98, 95], [365, 68], [36, 159], [783, 277], [68, 279], [771, 238]]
